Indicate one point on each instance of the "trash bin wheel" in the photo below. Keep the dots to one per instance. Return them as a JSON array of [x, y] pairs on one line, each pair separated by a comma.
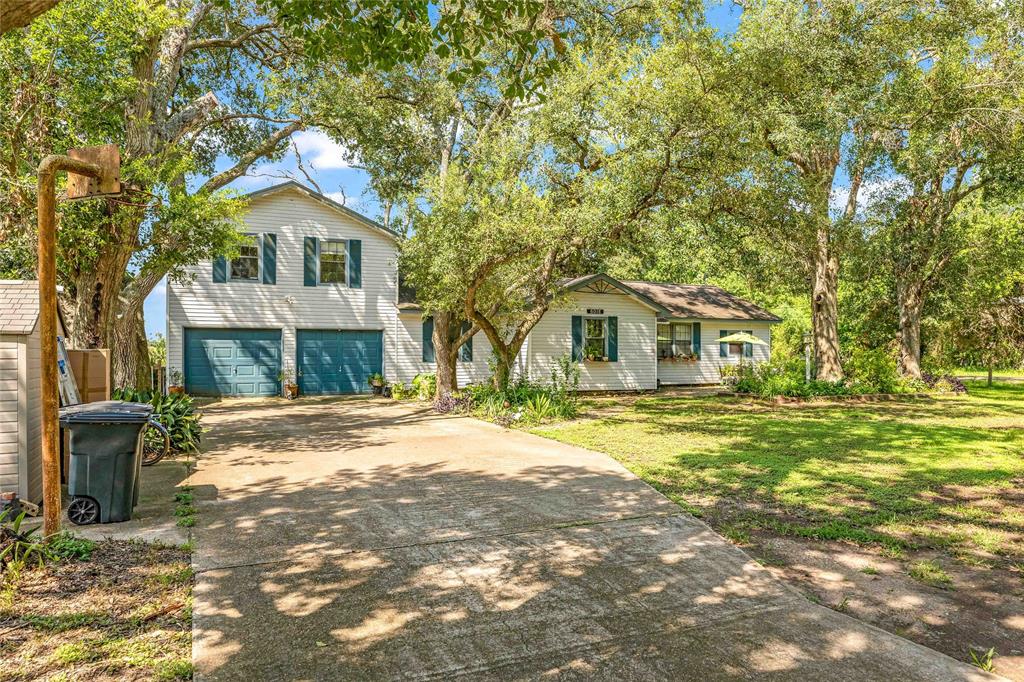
[[83, 511]]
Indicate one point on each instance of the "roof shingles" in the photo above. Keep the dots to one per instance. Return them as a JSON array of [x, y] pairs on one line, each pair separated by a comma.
[[701, 301], [19, 306]]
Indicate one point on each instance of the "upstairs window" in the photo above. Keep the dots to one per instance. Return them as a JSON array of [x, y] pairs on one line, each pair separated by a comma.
[[332, 262], [246, 266], [595, 344]]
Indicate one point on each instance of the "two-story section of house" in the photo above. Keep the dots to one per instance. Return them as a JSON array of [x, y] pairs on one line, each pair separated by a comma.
[[312, 292]]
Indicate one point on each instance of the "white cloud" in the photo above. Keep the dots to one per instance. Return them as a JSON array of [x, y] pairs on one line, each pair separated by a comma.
[[321, 151], [871, 192], [339, 197]]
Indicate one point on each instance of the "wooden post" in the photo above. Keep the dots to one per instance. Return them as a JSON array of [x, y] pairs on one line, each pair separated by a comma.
[[47, 224]]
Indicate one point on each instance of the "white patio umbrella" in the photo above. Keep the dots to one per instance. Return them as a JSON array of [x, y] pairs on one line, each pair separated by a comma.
[[742, 337]]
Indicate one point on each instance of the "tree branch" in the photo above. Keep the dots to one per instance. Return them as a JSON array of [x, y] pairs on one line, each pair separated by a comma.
[[238, 170]]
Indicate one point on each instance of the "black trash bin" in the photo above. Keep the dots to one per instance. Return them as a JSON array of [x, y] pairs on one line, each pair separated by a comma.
[[105, 459]]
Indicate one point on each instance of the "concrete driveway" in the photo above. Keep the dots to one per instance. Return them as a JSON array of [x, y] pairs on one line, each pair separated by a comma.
[[352, 539]]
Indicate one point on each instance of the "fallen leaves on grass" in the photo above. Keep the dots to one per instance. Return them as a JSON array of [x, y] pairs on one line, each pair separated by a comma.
[[125, 615]]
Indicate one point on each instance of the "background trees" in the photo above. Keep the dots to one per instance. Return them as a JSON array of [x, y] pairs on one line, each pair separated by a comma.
[[837, 151]]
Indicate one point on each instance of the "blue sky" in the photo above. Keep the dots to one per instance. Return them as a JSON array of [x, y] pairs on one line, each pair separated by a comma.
[[325, 162]]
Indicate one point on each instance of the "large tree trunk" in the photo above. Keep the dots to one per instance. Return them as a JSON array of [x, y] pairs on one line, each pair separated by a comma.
[[504, 362], [130, 353], [825, 308], [909, 295], [445, 354]]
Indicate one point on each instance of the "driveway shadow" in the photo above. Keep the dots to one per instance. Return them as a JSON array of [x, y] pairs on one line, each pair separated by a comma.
[[433, 548]]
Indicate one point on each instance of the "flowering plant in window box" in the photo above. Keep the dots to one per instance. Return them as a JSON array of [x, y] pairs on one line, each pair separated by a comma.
[[680, 357]]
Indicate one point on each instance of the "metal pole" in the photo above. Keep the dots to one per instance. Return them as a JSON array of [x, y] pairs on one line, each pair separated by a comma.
[[47, 228]]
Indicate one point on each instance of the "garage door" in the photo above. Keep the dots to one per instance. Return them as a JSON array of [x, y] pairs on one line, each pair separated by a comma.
[[333, 362], [243, 362]]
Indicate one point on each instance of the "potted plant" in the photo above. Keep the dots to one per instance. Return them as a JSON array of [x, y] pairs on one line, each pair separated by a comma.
[[176, 385], [377, 382], [287, 379]]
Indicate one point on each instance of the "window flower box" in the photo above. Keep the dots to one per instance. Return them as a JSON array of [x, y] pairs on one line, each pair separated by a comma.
[[687, 359]]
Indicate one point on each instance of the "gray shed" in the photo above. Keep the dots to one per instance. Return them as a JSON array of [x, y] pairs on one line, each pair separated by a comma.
[[21, 468]]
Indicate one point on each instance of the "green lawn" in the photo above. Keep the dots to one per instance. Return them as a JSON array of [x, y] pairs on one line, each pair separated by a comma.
[[945, 473]]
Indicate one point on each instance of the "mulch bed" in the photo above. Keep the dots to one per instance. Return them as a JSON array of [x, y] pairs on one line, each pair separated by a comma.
[[124, 614]]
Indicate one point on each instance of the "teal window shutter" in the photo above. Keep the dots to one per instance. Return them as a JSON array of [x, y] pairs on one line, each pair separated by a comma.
[[309, 249], [220, 269], [613, 339], [428, 339], [355, 263], [748, 348], [269, 258], [695, 340], [466, 350], [723, 348], [577, 338]]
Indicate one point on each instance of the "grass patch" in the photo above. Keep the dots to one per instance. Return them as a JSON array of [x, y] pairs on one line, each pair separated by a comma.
[[177, 669], [185, 510], [124, 612], [940, 474], [930, 573]]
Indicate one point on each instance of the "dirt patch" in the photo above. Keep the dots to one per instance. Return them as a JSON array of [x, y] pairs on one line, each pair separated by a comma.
[[124, 614], [977, 609]]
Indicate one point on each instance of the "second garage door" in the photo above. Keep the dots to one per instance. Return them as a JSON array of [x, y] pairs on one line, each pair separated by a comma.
[[332, 362]]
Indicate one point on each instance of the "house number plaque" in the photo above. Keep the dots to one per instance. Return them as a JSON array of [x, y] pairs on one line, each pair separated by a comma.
[[595, 311]]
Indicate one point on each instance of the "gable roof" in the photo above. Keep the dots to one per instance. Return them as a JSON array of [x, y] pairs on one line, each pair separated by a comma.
[[701, 301], [292, 185], [601, 278], [19, 306]]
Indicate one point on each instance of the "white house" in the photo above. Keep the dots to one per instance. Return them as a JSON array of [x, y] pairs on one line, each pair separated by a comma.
[[316, 292]]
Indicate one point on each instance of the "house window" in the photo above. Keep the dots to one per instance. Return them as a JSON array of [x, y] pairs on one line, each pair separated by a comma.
[[675, 340], [595, 337], [246, 267], [736, 349], [332, 262]]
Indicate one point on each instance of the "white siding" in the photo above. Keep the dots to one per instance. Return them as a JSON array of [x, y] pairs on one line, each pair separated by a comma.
[[289, 305], [409, 354], [636, 368], [32, 458], [708, 369], [10, 432]]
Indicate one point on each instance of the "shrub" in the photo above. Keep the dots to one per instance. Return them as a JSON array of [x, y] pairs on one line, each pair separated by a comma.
[[19, 547], [524, 402], [425, 386], [400, 391], [873, 370], [177, 413]]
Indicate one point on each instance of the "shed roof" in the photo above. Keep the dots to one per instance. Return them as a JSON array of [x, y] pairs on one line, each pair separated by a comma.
[[19, 306]]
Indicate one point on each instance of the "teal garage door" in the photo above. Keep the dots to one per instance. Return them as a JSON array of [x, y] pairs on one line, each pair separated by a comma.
[[242, 362], [332, 362]]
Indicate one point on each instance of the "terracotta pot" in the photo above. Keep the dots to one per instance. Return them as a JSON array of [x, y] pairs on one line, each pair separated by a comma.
[[291, 391], [176, 390]]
